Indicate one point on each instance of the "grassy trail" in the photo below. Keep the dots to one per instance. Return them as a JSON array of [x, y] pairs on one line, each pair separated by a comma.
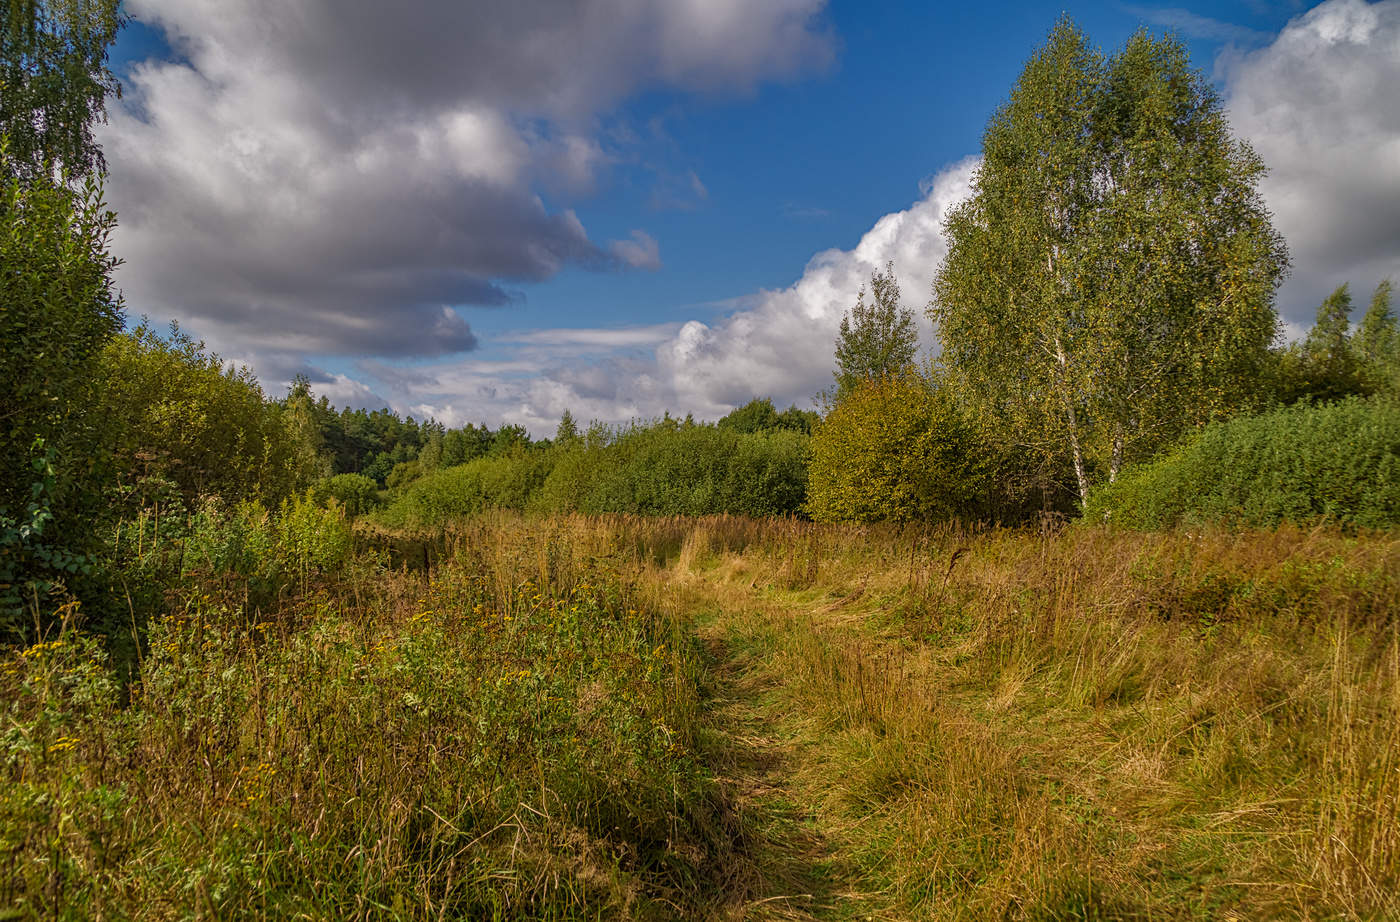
[[789, 866], [793, 865], [1058, 730]]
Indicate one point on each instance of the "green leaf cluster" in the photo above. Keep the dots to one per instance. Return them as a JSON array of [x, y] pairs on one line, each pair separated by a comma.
[[662, 468], [1109, 284], [355, 493], [877, 338], [57, 309], [897, 449], [1335, 361], [54, 83], [174, 411], [1302, 464]]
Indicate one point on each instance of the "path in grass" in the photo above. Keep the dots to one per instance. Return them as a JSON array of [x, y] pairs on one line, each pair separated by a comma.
[[787, 864]]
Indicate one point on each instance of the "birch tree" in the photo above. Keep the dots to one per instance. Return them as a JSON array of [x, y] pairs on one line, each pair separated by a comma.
[[54, 83], [1110, 282]]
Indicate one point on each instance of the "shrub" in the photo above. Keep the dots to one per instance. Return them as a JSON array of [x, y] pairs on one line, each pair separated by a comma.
[[1301, 464], [454, 493], [267, 551], [174, 411], [895, 449], [661, 469], [670, 469], [356, 493]]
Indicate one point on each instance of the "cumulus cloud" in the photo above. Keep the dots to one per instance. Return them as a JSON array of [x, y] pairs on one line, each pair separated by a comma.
[[1320, 106], [341, 177], [779, 344], [783, 347]]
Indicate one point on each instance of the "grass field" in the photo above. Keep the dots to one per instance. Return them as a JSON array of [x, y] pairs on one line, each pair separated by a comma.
[[612, 718]]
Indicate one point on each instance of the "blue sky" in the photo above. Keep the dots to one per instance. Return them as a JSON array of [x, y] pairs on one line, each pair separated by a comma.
[[739, 169]]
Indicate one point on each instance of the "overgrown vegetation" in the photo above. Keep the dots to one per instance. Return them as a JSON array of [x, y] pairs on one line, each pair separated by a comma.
[[668, 468], [1337, 463], [998, 724], [1083, 725], [269, 659], [514, 738]]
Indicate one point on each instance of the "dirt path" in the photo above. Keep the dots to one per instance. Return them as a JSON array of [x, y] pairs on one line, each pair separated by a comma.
[[787, 866]]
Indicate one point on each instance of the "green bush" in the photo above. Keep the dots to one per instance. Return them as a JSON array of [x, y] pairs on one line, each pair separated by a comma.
[[661, 469], [1339, 462], [454, 493], [57, 308], [356, 493], [174, 411], [895, 449], [670, 469], [267, 551]]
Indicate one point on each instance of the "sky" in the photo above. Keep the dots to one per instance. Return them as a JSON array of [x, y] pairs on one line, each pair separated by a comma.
[[499, 210]]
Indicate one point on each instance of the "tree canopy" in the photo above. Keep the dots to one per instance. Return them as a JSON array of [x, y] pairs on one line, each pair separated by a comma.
[[877, 337], [54, 82], [1110, 282]]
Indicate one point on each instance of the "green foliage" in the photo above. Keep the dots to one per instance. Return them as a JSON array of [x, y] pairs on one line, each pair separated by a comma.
[[1334, 361], [1324, 366], [475, 750], [1377, 343], [356, 493], [174, 412], [665, 468], [54, 82], [1109, 284], [895, 449], [35, 561], [1301, 464], [567, 431], [759, 415], [457, 493], [265, 551], [57, 308], [682, 470], [877, 339]]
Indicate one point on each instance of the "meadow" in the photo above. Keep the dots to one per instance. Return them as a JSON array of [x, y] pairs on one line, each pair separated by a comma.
[[617, 717]]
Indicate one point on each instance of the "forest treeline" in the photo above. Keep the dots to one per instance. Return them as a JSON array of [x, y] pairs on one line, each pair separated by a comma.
[[1107, 336]]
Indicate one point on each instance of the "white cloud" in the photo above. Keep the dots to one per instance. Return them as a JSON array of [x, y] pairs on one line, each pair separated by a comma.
[[1198, 26], [640, 252], [1320, 105], [319, 177], [779, 346]]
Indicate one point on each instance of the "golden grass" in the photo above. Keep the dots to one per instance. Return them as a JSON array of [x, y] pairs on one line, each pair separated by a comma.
[[854, 722], [1081, 725]]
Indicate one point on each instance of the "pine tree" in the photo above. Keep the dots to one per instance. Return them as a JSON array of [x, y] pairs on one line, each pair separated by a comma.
[[877, 338]]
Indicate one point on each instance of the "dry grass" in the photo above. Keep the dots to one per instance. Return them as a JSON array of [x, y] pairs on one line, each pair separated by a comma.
[[1080, 725], [852, 723]]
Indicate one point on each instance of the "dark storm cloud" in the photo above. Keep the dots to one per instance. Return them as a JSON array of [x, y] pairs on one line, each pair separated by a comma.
[[340, 177], [1320, 106]]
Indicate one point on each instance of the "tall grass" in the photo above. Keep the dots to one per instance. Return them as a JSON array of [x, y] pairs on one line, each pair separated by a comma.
[[1089, 725], [514, 738], [917, 723]]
